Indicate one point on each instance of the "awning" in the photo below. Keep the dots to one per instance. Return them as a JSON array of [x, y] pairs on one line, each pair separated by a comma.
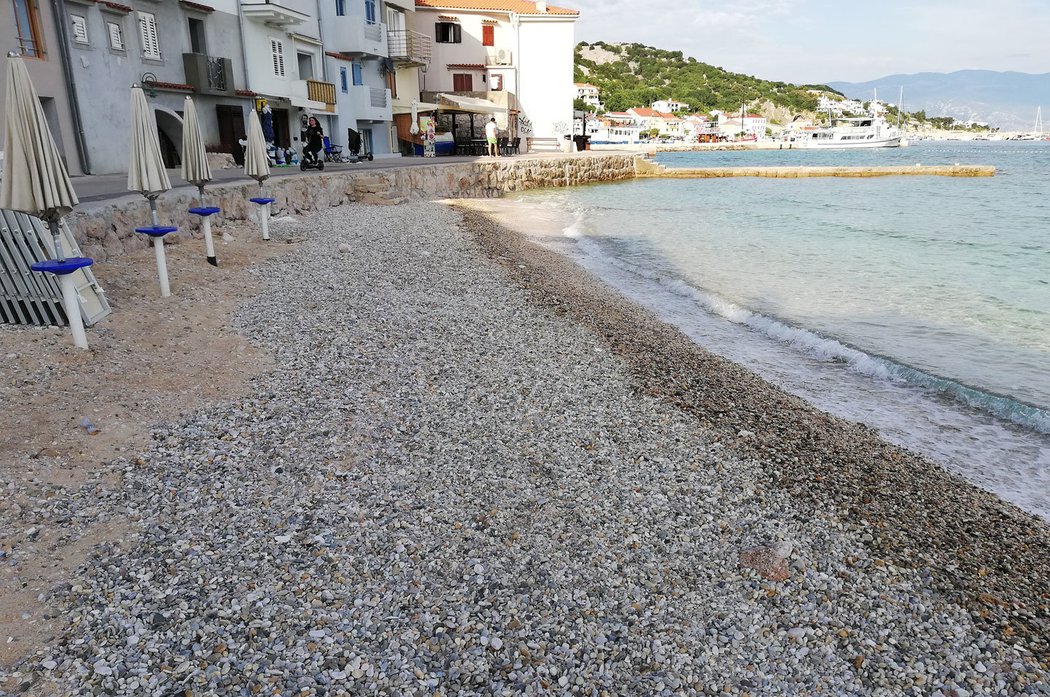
[[454, 102], [406, 107]]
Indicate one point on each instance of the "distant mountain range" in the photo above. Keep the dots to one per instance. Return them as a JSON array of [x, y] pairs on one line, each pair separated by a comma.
[[1007, 100]]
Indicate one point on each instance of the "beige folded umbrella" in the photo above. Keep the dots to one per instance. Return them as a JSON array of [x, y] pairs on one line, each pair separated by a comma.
[[257, 166], [35, 181], [197, 171], [146, 175]]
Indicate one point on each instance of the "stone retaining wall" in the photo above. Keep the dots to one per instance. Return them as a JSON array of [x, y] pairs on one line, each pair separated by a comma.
[[107, 230]]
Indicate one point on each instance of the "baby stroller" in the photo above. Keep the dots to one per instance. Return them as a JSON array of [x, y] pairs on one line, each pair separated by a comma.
[[355, 143]]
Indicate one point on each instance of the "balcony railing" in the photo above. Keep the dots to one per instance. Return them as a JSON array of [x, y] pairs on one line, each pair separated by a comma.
[[409, 47], [208, 74], [355, 36], [317, 91], [370, 103]]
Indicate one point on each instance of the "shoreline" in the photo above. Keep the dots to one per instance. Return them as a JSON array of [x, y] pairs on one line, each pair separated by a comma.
[[463, 463], [996, 557]]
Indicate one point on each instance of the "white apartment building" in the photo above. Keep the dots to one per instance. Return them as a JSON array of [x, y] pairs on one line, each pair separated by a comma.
[[589, 93], [285, 65], [512, 59], [357, 61], [670, 106]]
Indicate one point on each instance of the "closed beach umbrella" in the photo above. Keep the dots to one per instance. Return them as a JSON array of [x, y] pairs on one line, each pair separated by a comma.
[[257, 166], [414, 128], [197, 171], [36, 182], [146, 175]]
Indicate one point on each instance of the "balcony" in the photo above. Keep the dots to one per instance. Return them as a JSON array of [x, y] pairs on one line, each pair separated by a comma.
[[209, 74], [409, 48], [370, 103], [354, 36], [313, 94], [272, 13]]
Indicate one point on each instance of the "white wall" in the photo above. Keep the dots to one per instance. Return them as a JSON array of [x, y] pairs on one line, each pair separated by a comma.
[[545, 85], [469, 51]]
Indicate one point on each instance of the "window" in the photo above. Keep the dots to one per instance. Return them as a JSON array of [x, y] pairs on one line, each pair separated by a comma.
[[340, 8], [462, 82], [488, 35], [79, 33], [496, 82], [277, 53], [27, 25], [370, 11], [358, 78], [148, 34], [306, 65], [448, 33], [343, 80], [197, 43], [116, 36]]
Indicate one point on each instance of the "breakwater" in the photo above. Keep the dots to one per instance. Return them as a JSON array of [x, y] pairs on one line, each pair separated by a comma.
[[648, 169]]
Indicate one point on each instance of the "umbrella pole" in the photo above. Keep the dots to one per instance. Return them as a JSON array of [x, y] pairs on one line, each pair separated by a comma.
[[56, 235], [153, 211], [209, 245], [162, 266], [264, 216], [71, 304], [158, 250]]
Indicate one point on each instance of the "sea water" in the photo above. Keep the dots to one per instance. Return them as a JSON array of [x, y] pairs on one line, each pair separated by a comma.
[[917, 305]]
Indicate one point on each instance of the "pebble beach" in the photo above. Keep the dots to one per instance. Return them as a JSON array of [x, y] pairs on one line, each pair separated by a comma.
[[471, 469]]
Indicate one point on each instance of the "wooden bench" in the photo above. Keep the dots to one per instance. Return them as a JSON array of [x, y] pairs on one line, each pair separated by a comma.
[[533, 144]]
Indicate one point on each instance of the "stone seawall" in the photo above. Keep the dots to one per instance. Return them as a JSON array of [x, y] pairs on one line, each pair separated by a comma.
[[106, 230]]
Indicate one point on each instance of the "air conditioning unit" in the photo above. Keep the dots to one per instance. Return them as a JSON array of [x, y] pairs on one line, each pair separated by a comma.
[[503, 56]]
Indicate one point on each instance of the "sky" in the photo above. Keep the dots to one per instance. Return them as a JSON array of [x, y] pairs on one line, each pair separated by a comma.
[[817, 41]]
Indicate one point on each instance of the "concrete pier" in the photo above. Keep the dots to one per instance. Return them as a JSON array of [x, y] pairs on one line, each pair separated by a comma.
[[649, 169]]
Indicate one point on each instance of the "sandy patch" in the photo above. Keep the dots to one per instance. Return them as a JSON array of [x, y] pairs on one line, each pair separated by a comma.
[[151, 360]]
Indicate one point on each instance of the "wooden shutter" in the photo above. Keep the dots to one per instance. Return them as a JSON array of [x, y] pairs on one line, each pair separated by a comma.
[[488, 35], [80, 34], [148, 30], [116, 36], [457, 36], [462, 82], [277, 53]]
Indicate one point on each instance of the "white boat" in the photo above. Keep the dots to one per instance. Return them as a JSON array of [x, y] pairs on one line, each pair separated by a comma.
[[852, 132]]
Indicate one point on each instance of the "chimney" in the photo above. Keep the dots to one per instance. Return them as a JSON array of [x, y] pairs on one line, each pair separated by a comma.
[[541, 5]]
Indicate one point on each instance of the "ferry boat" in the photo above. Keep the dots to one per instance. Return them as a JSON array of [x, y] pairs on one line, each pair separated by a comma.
[[851, 132]]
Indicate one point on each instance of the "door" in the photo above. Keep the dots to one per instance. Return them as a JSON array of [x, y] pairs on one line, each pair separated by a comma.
[[281, 135], [231, 130]]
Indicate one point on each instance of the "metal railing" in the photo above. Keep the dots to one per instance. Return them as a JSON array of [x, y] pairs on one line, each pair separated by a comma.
[[409, 45], [317, 91], [216, 74], [208, 74]]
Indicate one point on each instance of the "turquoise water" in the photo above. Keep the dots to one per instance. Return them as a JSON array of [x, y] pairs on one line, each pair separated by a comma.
[[919, 305]]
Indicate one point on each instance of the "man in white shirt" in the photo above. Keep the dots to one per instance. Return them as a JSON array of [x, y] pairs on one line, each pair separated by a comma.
[[490, 136]]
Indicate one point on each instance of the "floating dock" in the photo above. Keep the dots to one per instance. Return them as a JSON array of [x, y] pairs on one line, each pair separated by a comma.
[[647, 168]]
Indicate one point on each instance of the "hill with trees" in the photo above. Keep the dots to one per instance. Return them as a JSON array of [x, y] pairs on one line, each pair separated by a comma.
[[631, 75]]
